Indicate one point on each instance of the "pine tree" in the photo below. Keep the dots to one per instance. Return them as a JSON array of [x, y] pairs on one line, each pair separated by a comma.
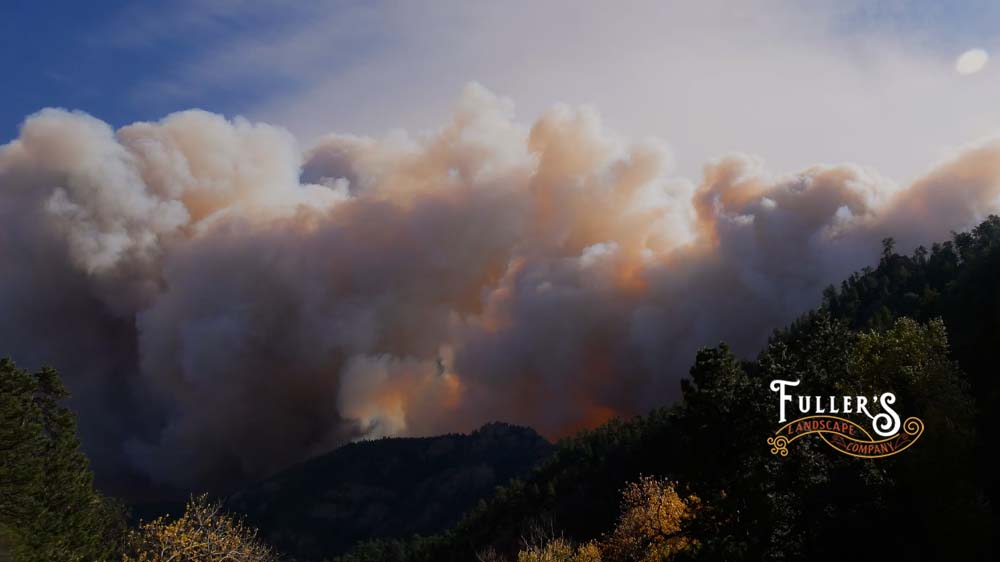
[[49, 510]]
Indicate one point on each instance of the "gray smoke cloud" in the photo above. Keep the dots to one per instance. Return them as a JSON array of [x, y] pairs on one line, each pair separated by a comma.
[[224, 303]]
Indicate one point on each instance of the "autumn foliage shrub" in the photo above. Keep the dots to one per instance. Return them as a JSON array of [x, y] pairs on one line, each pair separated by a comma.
[[650, 528], [203, 534]]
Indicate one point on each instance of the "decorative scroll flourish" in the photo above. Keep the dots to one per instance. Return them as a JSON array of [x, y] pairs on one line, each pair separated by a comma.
[[846, 436]]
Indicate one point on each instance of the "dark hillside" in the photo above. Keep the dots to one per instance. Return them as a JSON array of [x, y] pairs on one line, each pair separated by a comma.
[[385, 488], [959, 282]]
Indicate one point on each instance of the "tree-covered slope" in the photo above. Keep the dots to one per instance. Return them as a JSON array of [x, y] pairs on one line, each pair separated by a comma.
[[385, 488], [959, 282]]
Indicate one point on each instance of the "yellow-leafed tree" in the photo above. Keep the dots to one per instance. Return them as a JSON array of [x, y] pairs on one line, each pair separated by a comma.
[[203, 534], [650, 526]]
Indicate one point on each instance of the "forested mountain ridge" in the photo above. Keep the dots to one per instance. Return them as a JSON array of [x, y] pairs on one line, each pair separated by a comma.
[[389, 487]]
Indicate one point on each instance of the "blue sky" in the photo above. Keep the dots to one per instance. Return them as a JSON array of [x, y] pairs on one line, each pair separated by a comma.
[[370, 67], [116, 59]]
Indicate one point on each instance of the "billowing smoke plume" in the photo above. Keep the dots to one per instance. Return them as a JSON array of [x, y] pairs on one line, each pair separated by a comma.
[[223, 303]]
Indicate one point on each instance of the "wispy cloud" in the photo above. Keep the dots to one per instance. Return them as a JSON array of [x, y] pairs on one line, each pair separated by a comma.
[[839, 81]]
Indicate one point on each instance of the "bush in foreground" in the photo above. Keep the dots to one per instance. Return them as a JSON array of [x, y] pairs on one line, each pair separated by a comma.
[[203, 534]]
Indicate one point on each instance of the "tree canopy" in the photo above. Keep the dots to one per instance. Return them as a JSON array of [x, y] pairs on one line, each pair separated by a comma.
[[49, 511]]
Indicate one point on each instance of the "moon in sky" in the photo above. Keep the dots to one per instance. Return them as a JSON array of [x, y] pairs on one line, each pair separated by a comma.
[[971, 61]]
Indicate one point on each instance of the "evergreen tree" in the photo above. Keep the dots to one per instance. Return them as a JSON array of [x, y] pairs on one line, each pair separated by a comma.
[[49, 511]]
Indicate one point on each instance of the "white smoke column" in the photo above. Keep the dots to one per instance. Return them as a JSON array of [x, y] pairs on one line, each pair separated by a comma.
[[224, 304]]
